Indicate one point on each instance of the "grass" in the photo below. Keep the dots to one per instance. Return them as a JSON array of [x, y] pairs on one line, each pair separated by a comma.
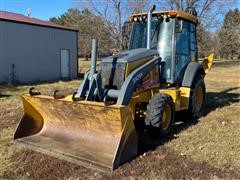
[[6, 153], [213, 139], [84, 65], [10, 112]]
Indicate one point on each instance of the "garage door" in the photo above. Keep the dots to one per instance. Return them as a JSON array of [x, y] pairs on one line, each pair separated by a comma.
[[65, 63]]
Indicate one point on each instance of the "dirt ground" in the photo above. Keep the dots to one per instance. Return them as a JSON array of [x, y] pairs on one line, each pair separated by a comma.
[[203, 149]]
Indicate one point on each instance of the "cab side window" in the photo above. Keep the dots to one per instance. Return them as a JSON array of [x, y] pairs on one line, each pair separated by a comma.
[[183, 41]]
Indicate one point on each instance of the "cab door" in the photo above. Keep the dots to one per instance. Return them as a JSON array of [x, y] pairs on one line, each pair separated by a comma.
[[183, 50]]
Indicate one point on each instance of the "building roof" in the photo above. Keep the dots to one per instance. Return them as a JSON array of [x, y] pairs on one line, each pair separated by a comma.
[[180, 14], [19, 18]]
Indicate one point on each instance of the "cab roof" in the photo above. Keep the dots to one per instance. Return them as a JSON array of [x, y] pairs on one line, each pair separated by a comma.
[[173, 14]]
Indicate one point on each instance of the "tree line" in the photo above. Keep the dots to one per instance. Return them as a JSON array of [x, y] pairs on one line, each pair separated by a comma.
[[104, 20]]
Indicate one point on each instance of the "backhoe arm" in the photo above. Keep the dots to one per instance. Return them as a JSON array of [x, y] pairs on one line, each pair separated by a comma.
[[207, 63]]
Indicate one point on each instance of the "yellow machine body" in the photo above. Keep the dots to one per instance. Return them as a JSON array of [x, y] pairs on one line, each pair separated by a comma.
[[88, 133]]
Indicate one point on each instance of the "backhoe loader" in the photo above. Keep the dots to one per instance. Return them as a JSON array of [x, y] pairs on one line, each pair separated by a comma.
[[158, 75]]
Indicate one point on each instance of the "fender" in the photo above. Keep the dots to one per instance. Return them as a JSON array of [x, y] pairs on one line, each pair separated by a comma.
[[191, 71]]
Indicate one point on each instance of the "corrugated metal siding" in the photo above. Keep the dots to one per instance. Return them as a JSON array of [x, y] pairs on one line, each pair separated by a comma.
[[35, 52]]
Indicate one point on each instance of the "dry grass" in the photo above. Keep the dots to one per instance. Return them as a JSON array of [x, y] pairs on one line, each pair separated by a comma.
[[10, 112], [214, 139], [84, 65]]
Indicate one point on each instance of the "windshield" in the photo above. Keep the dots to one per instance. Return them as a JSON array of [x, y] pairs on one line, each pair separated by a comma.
[[161, 34], [161, 39]]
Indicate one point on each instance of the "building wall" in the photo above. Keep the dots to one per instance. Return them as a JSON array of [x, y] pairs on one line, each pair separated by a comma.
[[35, 52]]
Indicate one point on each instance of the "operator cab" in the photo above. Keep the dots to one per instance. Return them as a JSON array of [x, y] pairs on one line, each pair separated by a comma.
[[173, 34]]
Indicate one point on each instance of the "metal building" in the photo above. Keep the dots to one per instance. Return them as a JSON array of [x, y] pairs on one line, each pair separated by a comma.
[[32, 50]]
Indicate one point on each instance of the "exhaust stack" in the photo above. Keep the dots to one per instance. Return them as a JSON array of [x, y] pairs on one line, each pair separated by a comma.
[[149, 26], [93, 58]]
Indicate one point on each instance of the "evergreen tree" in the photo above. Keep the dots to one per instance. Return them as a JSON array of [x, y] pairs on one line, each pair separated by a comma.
[[89, 26], [229, 35]]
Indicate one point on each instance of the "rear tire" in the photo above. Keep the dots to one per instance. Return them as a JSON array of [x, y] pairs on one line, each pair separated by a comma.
[[160, 114], [197, 99]]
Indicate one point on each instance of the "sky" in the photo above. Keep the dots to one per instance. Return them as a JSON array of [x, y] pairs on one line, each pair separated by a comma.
[[41, 9], [44, 9]]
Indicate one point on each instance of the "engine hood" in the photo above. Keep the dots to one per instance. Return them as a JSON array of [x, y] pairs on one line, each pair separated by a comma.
[[131, 55]]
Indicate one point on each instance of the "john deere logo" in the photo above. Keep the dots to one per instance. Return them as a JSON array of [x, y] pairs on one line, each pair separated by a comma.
[[139, 76]]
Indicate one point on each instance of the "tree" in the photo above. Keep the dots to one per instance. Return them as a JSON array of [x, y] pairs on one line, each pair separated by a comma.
[[83, 21], [113, 13], [106, 21], [206, 41], [229, 34], [209, 12]]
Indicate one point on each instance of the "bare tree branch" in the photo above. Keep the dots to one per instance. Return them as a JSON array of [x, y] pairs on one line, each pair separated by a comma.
[[113, 13]]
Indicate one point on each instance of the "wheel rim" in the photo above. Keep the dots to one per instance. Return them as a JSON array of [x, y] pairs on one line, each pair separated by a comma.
[[199, 99], [167, 115]]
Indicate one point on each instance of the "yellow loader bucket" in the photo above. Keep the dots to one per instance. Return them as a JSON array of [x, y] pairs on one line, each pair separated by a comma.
[[86, 133]]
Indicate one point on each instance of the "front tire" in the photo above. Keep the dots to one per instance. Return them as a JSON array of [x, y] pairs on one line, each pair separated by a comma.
[[160, 114]]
